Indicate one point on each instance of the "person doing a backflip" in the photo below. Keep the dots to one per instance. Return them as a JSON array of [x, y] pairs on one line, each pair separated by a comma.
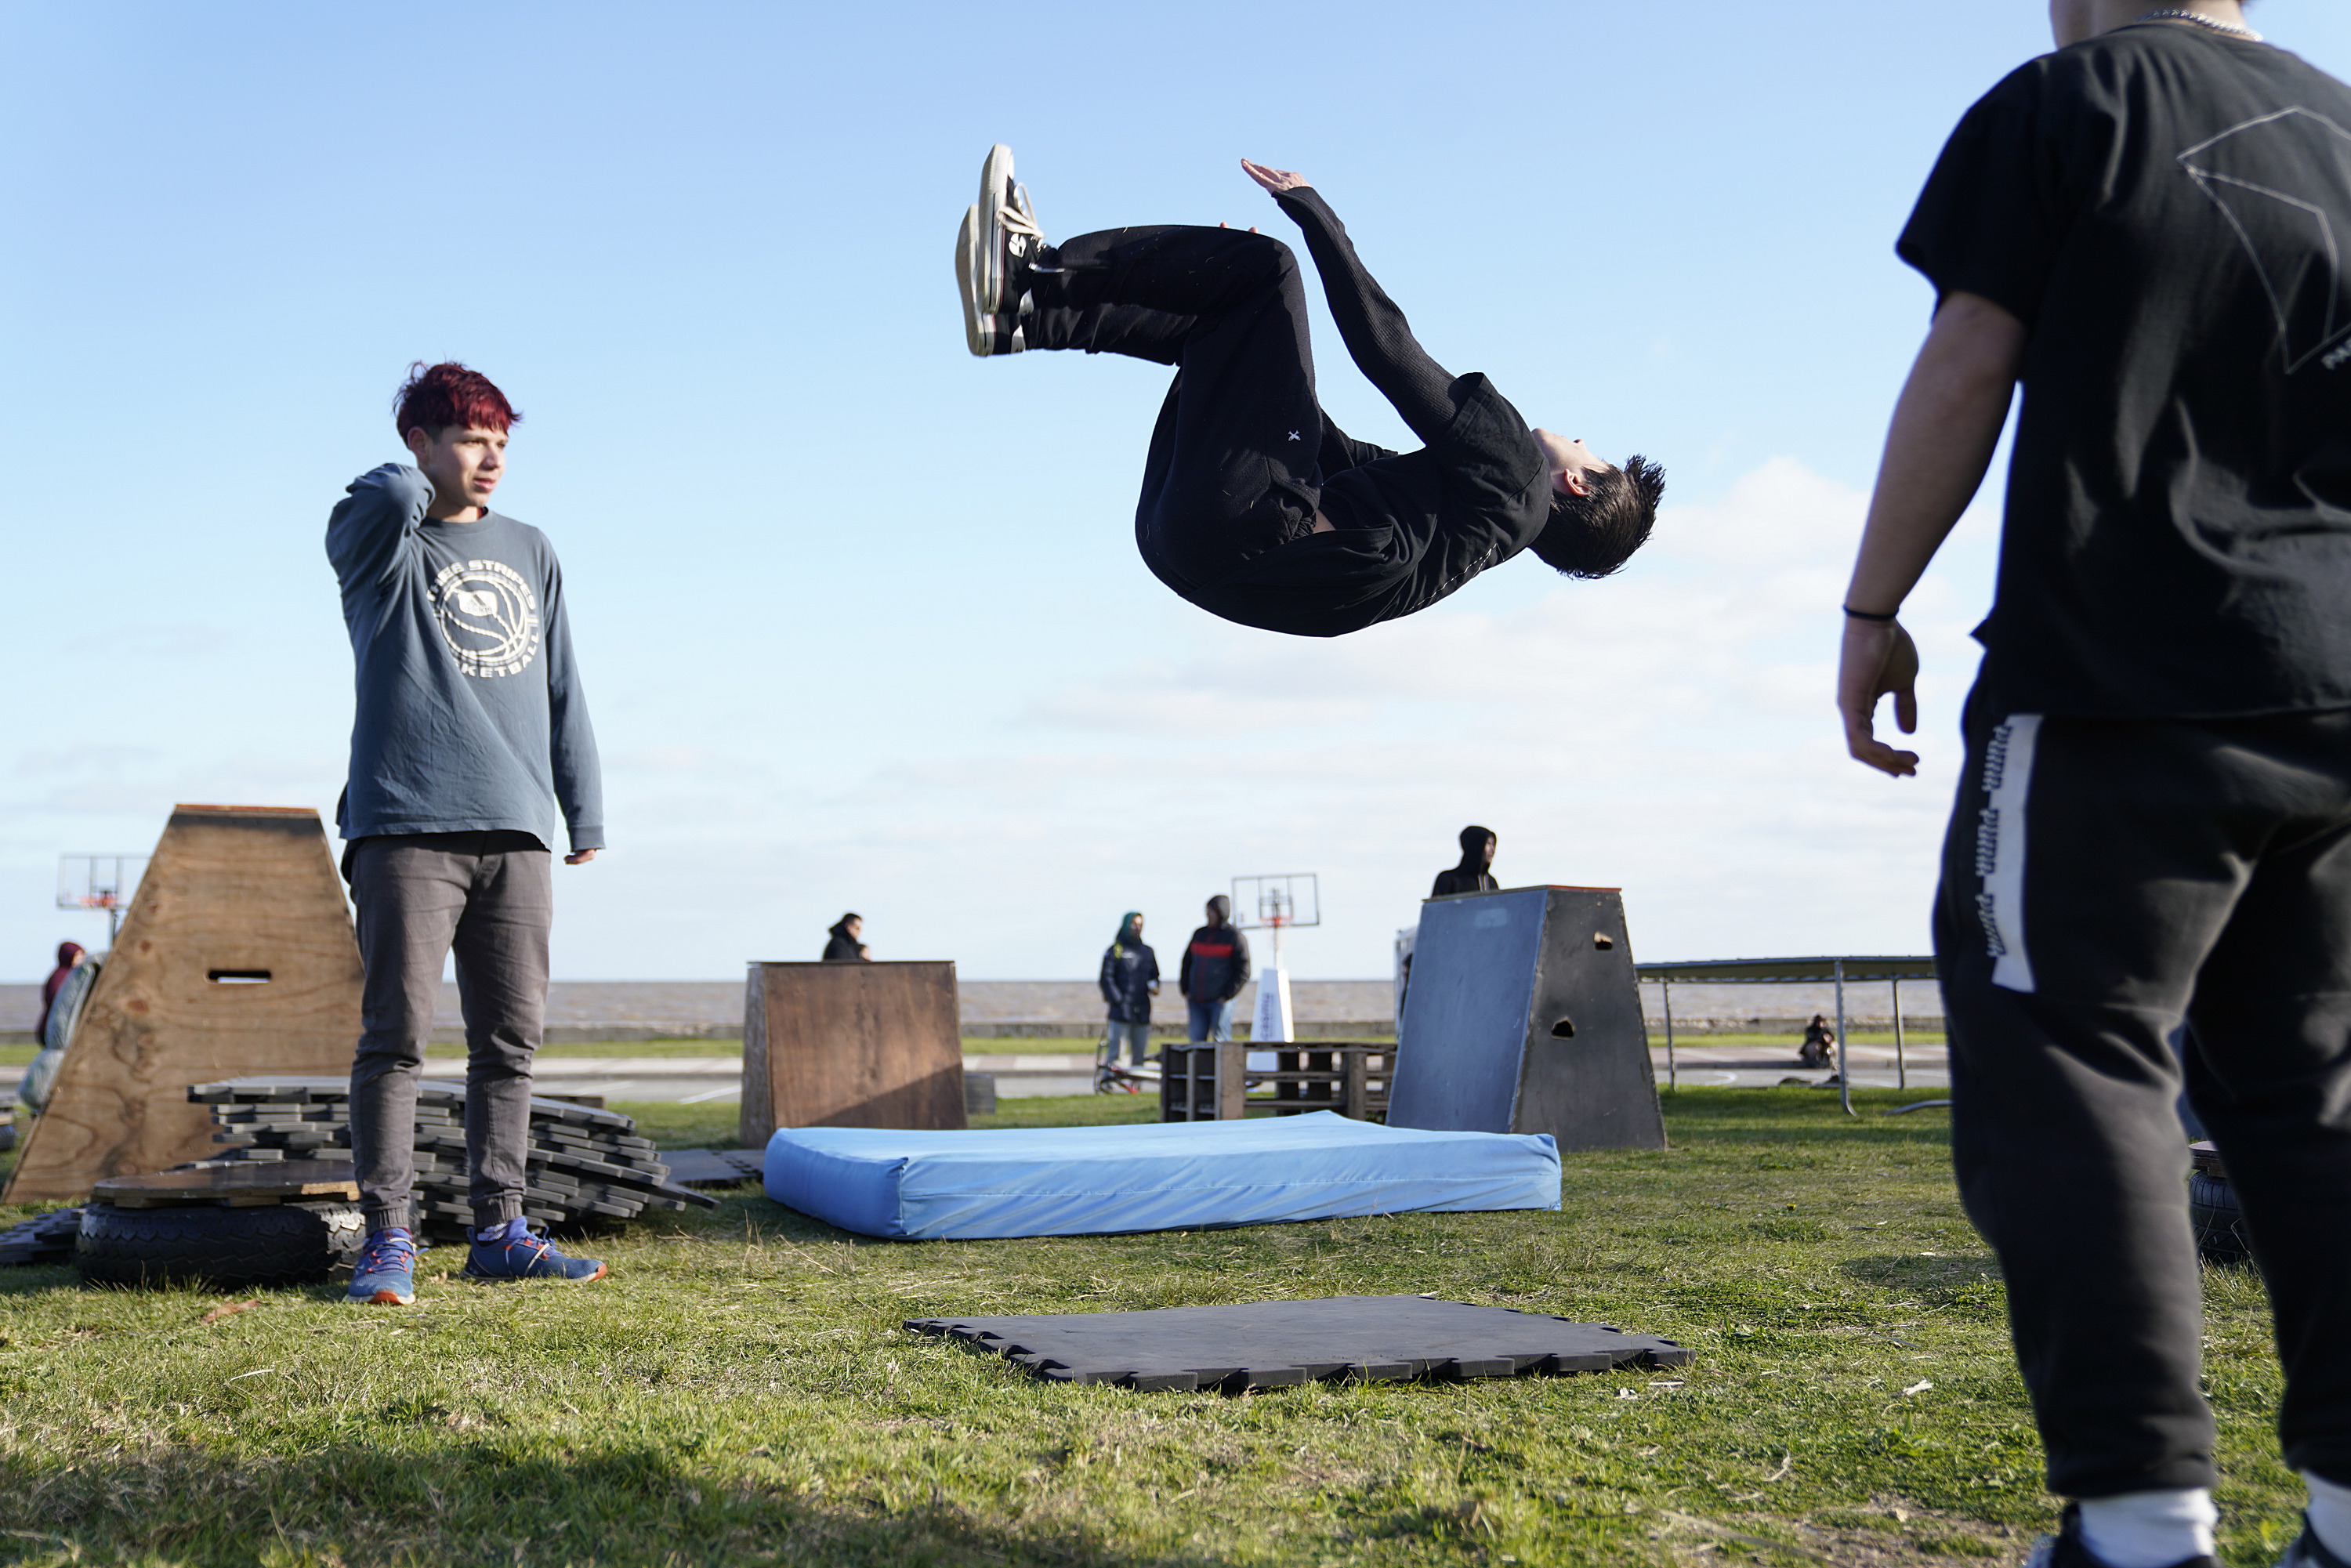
[[1255, 506], [2146, 229]]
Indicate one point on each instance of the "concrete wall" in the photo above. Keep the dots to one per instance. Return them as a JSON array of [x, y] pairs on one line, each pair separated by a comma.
[[1011, 1010]]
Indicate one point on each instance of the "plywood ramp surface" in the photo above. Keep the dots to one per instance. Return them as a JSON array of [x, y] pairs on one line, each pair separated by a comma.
[[236, 958], [851, 1045]]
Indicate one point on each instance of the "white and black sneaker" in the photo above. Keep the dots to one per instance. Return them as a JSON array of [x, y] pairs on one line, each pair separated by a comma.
[[988, 332], [2065, 1549], [2309, 1552], [1009, 237]]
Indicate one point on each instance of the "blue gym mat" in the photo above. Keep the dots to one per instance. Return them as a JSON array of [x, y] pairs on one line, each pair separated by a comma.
[[1168, 1175]]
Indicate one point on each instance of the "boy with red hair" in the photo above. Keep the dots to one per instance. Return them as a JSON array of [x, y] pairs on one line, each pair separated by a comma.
[[471, 730]]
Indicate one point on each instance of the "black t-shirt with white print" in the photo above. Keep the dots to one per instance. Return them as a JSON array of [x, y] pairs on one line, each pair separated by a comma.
[[2168, 210]]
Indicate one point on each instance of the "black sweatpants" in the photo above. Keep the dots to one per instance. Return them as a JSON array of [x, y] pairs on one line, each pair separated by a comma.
[[2104, 881], [1234, 464]]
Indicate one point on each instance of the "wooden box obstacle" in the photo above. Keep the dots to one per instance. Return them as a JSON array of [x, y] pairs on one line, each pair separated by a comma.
[[236, 958], [851, 1045], [1523, 1015]]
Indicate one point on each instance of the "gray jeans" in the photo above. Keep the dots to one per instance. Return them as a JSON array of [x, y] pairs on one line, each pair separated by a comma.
[[1135, 1037], [490, 897]]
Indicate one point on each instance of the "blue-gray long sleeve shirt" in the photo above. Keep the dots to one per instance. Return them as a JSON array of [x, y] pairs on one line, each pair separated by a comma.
[[470, 712]]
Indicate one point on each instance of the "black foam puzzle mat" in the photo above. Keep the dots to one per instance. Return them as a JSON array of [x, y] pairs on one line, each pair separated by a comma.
[[1270, 1344]]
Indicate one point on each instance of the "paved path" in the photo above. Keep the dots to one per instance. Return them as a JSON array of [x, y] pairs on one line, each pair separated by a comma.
[[698, 1080]]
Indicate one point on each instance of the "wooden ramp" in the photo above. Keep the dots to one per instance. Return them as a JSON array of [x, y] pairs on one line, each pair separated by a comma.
[[236, 959], [851, 1045]]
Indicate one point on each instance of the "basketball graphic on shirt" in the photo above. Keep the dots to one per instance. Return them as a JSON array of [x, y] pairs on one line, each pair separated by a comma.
[[488, 616], [2284, 184]]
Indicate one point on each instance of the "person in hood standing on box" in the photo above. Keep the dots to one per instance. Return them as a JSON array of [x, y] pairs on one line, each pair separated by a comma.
[[1476, 872], [471, 735], [1130, 978], [1216, 967]]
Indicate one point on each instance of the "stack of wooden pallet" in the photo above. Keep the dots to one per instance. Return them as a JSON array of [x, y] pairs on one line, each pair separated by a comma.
[[581, 1164]]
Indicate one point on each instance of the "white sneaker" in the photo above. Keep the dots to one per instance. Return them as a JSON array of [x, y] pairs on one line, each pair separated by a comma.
[[1009, 238], [985, 333]]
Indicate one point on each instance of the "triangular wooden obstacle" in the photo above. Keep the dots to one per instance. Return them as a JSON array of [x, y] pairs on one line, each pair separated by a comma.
[[236, 959]]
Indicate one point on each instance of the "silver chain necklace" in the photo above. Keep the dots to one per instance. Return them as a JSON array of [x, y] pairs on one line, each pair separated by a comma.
[[2231, 29]]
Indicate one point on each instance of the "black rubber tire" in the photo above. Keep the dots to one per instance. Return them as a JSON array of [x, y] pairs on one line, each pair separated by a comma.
[[271, 1244], [2219, 1223]]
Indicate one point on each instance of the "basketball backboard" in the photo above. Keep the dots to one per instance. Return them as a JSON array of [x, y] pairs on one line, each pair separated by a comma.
[[100, 882], [1282, 903]]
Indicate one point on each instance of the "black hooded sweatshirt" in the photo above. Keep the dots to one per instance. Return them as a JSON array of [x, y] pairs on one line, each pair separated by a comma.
[[841, 947], [1471, 875]]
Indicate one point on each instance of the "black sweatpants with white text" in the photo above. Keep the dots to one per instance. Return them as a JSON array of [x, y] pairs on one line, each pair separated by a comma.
[[2105, 881]]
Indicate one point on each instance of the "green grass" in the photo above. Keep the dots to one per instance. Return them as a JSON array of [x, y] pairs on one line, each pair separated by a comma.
[[740, 1390]]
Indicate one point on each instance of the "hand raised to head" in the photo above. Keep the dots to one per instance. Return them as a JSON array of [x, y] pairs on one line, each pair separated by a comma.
[[1274, 182]]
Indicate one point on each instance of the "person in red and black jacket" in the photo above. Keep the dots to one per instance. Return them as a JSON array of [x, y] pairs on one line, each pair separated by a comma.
[[1216, 967]]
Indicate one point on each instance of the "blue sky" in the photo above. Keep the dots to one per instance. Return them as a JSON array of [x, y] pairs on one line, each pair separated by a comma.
[[862, 619]]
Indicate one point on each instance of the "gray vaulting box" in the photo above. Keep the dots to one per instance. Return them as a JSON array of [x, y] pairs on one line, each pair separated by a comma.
[[851, 1045], [1524, 1016]]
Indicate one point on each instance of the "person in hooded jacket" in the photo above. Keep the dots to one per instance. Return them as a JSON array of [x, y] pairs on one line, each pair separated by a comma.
[[62, 995], [1475, 873], [1129, 979], [70, 956], [842, 944], [1216, 967]]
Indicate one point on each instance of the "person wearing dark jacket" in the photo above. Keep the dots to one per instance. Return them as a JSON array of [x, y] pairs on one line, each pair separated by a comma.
[[1129, 979], [1475, 873], [69, 958], [1256, 506], [1216, 967], [841, 946]]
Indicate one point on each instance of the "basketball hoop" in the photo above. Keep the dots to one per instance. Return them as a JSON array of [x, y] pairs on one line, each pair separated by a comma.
[[1287, 902], [1290, 900], [100, 882]]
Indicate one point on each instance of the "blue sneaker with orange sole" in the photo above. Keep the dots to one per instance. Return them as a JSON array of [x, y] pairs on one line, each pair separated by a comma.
[[384, 1273], [512, 1252]]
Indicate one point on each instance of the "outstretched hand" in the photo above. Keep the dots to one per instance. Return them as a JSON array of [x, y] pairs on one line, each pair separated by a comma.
[[1878, 658], [1273, 181]]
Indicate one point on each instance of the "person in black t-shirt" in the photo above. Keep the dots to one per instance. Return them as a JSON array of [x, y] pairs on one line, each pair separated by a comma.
[[1476, 872], [1255, 506], [2149, 229]]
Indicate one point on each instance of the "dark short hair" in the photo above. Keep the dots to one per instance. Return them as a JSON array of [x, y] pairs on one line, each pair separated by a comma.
[[1592, 535], [435, 397]]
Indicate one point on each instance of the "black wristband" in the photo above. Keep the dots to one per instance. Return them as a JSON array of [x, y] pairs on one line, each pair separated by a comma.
[[1871, 614]]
